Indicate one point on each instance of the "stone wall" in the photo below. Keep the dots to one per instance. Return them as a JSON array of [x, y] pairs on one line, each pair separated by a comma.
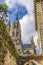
[[9, 59]]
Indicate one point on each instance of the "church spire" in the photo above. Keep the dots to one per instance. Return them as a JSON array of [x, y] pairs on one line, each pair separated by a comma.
[[17, 16], [17, 19]]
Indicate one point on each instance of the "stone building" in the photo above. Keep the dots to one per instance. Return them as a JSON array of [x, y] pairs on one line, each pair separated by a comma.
[[15, 33], [38, 6], [39, 22]]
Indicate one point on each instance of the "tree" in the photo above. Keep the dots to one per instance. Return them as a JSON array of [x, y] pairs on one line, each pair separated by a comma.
[[3, 9]]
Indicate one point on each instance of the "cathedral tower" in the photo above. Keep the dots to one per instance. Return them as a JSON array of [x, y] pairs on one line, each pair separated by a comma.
[[16, 34], [39, 22]]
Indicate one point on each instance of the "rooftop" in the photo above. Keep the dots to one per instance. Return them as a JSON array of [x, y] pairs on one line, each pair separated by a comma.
[[26, 45]]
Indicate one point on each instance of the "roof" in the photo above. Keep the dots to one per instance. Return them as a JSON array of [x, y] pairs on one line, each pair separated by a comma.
[[26, 45]]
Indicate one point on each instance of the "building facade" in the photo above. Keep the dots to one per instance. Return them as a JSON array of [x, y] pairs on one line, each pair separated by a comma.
[[39, 22]]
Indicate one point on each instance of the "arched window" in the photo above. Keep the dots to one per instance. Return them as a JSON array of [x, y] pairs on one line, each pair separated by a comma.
[[13, 33]]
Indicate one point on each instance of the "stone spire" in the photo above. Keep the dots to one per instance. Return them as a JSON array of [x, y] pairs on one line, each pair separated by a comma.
[[16, 34], [17, 19], [16, 22], [17, 16]]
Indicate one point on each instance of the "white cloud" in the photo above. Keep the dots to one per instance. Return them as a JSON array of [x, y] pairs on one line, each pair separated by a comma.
[[28, 28], [11, 3], [28, 4]]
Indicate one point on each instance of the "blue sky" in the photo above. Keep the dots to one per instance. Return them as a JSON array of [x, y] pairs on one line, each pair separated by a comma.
[[1, 1]]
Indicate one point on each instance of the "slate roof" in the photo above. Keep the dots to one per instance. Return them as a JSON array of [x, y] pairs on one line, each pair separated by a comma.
[[26, 46]]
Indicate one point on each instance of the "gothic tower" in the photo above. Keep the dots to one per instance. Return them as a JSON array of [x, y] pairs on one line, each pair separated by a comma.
[[33, 45], [16, 35], [39, 22]]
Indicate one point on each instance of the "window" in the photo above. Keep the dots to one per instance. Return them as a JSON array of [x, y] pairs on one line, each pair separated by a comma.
[[18, 43], [13, 33], [17, 34], [14, 25]]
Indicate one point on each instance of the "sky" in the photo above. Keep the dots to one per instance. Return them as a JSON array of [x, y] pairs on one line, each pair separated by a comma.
[[25, 9]]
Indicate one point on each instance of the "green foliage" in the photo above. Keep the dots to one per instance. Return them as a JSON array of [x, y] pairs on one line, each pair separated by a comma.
[[3, 7], [7, 40]]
